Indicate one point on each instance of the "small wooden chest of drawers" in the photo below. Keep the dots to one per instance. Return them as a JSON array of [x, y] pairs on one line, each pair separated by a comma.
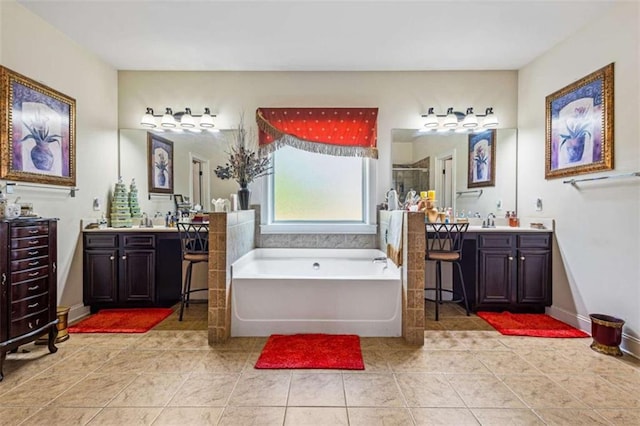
[[28, 283]]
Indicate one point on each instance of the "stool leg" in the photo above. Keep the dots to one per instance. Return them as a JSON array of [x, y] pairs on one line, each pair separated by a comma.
[[185, 289], [438, 287], [464, 290]]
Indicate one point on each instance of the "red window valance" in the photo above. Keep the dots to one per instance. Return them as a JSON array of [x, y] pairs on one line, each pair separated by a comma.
[[348, 132]]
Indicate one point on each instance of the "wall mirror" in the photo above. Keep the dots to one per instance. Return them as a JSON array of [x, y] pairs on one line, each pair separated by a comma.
[[441, 161], [196, 155]]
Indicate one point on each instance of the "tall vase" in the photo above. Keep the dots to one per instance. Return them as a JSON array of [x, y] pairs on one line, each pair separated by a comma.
[[243, 197]]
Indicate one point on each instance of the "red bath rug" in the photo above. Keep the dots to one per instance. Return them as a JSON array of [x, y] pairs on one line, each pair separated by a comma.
[[534, 325], [329, 351], [121, 321]]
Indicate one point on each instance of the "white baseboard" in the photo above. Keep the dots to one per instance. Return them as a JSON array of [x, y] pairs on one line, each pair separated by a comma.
[[77, 312], [630, 344]]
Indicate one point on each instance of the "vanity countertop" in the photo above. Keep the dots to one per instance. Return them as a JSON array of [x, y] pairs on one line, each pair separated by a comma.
[[156, 228], [518, 229]]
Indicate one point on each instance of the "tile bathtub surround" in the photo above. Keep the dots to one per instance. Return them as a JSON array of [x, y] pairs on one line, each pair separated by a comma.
[[413, 282], [338, 241], [168, 377], [231, 235]]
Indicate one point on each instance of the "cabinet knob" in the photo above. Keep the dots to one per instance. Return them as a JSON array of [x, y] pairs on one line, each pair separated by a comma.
[[521, 257], [124, 257], [510, 257], [4, 278], [111, 257]]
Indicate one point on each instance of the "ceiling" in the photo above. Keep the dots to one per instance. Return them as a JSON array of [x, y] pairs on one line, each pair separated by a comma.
[[306, 35]]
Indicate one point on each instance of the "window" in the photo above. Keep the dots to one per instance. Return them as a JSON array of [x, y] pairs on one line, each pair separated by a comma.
[[309, 187]]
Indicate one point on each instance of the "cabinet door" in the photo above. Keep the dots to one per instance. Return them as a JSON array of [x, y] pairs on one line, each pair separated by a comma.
[[534, 276], [137, 275], [495, 270], [100, 276]]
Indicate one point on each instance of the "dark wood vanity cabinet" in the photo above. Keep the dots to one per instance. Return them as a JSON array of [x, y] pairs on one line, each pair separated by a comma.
[[513, 271], [124, 269], [28, 283]]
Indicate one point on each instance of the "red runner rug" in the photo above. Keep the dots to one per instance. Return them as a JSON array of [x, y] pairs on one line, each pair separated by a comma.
[[330, 351], [534, 325], [121, 321]]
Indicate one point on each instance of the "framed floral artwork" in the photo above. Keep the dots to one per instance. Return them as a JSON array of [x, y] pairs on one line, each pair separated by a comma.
[[37, 136], [482, 159], [160, 164], [579, 126]]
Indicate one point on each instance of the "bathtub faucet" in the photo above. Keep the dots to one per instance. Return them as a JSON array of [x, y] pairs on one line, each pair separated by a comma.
[[380, 259]]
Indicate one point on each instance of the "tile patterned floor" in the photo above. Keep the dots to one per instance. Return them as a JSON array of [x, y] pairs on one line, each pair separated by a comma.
[[460, 377]]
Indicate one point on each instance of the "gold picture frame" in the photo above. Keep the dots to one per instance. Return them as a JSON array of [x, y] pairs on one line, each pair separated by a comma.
[[579, 126], [482, 159], [160, 164], [37, 132]]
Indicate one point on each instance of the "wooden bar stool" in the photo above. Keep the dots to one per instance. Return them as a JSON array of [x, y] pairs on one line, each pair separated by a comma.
[[194, 238], [444, 244]]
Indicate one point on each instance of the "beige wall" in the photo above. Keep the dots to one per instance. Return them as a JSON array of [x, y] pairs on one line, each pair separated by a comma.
[[33, 48], [597, 258], [401, 97]]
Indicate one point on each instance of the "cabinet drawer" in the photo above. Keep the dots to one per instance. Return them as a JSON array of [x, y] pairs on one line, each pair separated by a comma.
[[30, 306], [28, 324], [148, 241], [30, 274], [29, 231], [34, 262], [538, 240], [93, 240], [495, 241], [29, 289], [30, 242], [29, 253]]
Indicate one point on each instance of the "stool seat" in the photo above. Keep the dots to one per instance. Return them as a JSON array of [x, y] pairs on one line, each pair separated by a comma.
[[444, 244], [194, 239]]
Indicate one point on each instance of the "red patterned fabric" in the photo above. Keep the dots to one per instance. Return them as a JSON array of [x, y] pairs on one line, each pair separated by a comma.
[[334, 131]]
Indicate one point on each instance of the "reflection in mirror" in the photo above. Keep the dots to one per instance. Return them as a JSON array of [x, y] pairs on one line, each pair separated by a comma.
[[196, 155], [440, 161]]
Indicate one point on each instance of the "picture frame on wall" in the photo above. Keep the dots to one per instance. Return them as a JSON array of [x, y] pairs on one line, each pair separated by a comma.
[[37, 137], [482, 159], [160, 164], [579, 126]]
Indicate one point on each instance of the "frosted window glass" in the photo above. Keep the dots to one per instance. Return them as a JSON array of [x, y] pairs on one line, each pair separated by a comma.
[[316, 187]]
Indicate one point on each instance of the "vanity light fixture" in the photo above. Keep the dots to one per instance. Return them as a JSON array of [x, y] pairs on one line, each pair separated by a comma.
[[179, 120], [455, 120]]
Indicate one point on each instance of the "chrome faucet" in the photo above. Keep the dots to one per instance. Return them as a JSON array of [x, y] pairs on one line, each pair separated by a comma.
[[489, 222], [380, 259]]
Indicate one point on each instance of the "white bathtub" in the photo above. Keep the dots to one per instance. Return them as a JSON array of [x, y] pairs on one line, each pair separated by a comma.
[[281, 291]]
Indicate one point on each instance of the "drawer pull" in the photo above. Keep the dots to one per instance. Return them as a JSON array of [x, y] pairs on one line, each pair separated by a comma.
[[33, 306], [35, 287], [4, 278], [34, 242], [54, 266], [32, 253], [30, 325], [33, 231], [34, 274], [33, 263], [38, 321]]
